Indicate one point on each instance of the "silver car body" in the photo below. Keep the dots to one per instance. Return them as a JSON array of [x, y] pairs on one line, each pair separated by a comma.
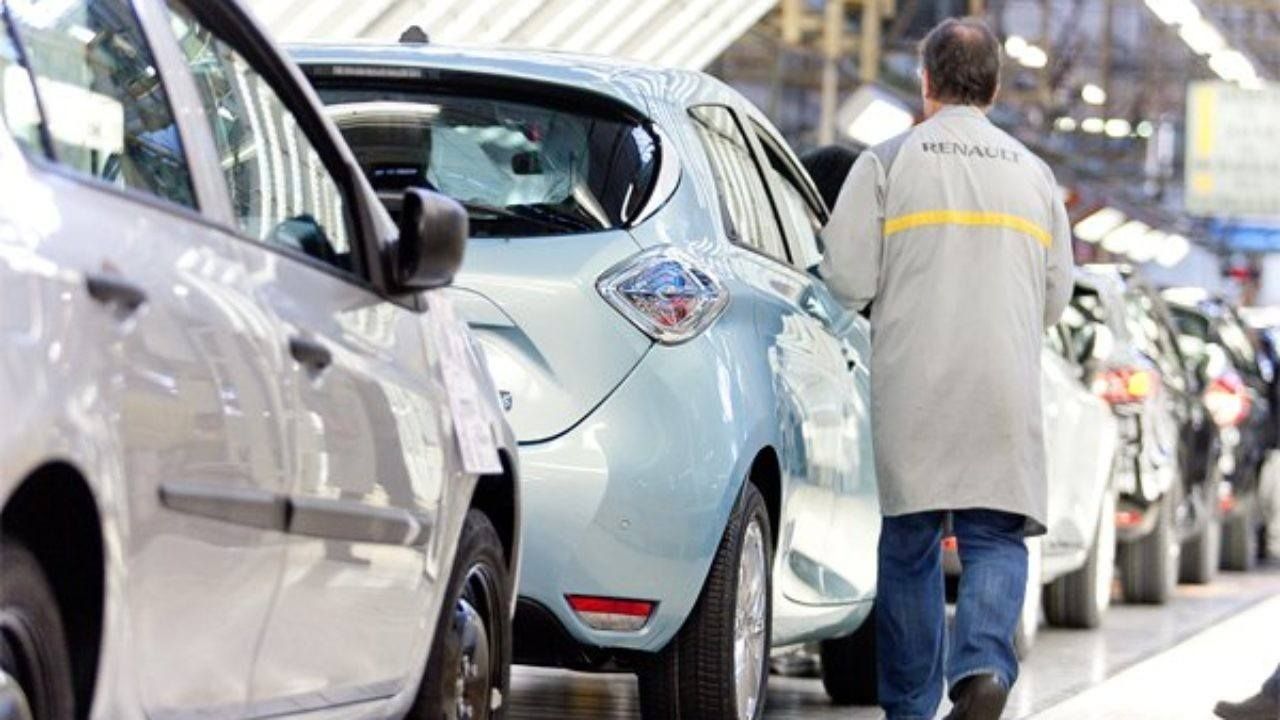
[[180, 429], [632, 451]]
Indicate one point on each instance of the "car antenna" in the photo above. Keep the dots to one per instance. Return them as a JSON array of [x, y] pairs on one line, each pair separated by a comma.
[[415, 35]]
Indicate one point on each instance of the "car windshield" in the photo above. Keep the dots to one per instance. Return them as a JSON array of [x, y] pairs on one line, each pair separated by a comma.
[[521, 169]]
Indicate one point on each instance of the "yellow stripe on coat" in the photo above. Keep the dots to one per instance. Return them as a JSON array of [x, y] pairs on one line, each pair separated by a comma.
[[970, 218]]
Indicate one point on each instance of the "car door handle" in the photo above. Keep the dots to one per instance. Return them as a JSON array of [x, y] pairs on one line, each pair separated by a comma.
[[114, 290], [312, 354]]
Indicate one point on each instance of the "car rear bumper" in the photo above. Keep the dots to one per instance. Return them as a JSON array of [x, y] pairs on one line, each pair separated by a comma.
[[631, 503]]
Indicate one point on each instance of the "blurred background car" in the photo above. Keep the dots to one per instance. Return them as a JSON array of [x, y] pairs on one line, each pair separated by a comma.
[[1238, 395], [1148, 475], [1198, 520], [692, 405], [245, 473]]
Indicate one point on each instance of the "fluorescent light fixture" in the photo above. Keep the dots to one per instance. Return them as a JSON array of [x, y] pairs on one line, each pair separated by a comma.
[[1065, 124], [1145, 129], [870, 116], [1033, 57], [1174, 12], [1093, 94], [1232, 65], [1117, 128], [1124, 237], [1174, 249], [1146, 247], [1202, 37], [1093, 125], [1094, 227], [1014, 46]]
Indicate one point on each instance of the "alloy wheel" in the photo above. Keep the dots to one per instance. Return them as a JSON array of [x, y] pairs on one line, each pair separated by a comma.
[[750, 621]]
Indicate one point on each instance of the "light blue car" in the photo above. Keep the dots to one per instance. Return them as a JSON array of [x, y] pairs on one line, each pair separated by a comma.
[[691, 403]]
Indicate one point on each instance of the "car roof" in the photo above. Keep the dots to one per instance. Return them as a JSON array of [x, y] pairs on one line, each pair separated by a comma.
[[626, 81]]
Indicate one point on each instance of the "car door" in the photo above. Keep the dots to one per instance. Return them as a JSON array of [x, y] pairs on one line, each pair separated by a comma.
[[192, 400], [855, 517], [806, 409], [352, 615]]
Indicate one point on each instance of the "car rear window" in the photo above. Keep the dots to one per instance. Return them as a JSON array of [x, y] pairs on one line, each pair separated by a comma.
[[522, 168]]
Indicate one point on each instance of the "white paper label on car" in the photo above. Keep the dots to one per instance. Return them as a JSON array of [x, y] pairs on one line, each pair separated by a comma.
[[476, 444]]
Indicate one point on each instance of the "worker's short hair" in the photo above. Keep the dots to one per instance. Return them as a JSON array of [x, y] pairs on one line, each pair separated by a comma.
[[962, 58]]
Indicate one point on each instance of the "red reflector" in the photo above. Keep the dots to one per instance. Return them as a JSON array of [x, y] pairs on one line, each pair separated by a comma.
[[949, 544], [610, 606], [1128, 518], [1227, 501]]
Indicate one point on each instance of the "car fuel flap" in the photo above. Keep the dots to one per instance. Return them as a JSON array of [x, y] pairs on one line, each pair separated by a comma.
[[555, 348]]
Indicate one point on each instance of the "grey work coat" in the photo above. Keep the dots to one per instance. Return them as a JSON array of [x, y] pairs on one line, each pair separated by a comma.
[[957, 235]]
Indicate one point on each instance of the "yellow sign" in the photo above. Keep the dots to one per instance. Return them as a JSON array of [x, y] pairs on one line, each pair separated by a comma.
[[1233, 150]]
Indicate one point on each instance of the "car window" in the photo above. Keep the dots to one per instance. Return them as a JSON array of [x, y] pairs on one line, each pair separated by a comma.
[[19, 110], [799, 221], [745, 203], [107, 111], [1237, 341], [281, 192], [523, 166]]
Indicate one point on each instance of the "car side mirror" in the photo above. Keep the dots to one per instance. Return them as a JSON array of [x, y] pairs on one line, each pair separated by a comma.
[[432, 242]]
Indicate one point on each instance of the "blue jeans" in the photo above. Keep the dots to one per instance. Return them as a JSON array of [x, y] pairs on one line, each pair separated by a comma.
[[911, 613]]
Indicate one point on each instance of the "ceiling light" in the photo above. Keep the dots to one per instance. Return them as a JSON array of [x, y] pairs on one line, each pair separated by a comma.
[[870, 116], [1202, 37], [1093, 94], [1033, 57], [1094, 227], [1145, 129], [1174, 12], [1093, 125], [1124, 237], [1232, 65], [1174, 249], [1014, 46], [1146, 247], [1065, 124], [1117, 128]]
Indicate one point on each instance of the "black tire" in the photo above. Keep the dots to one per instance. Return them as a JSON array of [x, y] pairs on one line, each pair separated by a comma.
[[479, 588], [693, 677], [1149, 566], [1201, 555], [1080, 599], [849, 666], [1239, 540], [33, 644]]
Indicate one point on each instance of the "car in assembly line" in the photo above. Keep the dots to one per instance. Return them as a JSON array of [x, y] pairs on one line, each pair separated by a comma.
[[1238, 396], [1071, 568], [251, 465], [1148, 473], [691, 403]]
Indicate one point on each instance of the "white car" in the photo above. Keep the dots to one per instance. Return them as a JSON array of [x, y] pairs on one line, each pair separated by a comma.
[[250, 464], [1071, 568]]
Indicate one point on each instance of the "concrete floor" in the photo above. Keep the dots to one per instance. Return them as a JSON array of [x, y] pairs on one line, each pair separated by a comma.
[[1184, 655]]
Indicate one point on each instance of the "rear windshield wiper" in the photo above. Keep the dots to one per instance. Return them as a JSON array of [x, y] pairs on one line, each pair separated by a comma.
[[555, 221]]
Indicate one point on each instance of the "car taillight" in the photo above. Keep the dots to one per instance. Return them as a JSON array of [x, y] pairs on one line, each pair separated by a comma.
[[617, 614], [1125, 386], [664, 294], [1227, 401]]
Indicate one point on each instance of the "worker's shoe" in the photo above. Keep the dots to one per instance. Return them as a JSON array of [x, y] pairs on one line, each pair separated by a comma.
[[978, 697], [1258, 707]]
